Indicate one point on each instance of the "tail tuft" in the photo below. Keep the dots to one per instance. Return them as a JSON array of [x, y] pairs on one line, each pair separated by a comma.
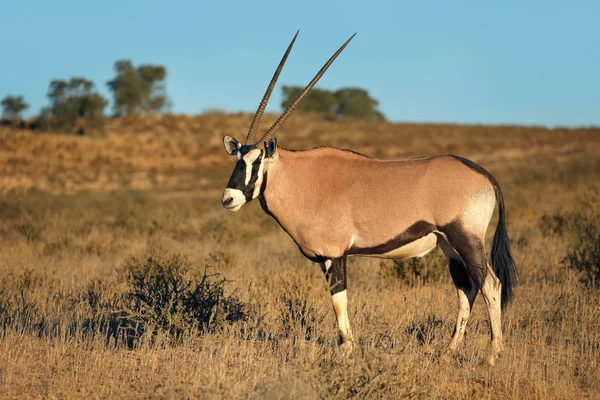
[[502, 261]]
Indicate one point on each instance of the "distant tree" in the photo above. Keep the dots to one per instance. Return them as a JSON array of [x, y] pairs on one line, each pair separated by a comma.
[[44, 120], [73, 105], [125, 88], [152, 83], [140, 89], [345, 102], [317, 100], [13, 106], [356, 102]]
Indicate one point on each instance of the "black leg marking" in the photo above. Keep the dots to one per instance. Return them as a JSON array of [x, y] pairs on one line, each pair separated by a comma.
[[465, 284], [458, 271], [336, 275], [471, 250]]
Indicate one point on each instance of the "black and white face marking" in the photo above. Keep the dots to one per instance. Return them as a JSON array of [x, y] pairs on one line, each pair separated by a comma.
[[247, 177]]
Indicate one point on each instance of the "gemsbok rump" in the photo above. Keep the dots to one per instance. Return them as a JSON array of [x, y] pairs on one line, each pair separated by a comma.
[[336, 203]]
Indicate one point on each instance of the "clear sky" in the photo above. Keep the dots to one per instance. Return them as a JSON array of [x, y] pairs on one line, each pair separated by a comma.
[[525, 62]]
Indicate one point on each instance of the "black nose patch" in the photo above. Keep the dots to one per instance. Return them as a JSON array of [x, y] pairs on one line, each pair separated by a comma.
[[238, 177]]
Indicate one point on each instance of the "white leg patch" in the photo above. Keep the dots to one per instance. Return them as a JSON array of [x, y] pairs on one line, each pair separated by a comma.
[[340, 306], [464, 310]]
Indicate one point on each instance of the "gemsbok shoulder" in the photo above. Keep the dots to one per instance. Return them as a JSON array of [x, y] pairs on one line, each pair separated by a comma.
[[336, 203]]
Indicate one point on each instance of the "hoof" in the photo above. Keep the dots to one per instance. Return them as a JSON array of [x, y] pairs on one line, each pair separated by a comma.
[[497, 349], [448, 354], [347, 348], [450, 351], [445, 357]]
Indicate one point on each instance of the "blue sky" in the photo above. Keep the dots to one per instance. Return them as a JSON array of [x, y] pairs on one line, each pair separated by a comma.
[[534, 62]]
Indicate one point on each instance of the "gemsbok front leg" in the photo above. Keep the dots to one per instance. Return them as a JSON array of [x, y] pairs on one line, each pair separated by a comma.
[[335, 273]]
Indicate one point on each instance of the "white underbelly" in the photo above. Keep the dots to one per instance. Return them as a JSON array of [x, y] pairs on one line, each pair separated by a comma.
[[418, 248]]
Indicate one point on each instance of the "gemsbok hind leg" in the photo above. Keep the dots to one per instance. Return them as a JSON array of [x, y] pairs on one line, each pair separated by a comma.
[[471, 249], [466, 291], [335, 273], [492, 291]]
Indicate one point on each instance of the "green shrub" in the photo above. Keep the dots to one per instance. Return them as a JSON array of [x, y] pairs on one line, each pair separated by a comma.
[[155, 296], [163, 297]]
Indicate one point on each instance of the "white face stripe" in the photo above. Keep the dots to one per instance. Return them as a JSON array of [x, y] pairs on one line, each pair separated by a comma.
[[248, 171], [259, 181], [249, 159]]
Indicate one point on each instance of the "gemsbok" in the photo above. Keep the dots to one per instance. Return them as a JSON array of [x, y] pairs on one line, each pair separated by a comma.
[[336, 203]]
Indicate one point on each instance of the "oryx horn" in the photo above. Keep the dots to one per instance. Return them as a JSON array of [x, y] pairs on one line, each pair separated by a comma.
[[312, 83], [261, 108]]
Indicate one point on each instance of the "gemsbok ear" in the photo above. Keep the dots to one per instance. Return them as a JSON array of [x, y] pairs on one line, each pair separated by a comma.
[[231, 145], [270, 147]]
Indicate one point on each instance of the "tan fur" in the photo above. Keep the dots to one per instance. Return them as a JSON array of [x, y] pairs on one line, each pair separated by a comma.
[[327, 198]]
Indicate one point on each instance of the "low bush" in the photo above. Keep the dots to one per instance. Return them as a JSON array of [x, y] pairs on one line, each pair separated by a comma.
[[584, 253], [582, 228], [156, 295], [163, 296]]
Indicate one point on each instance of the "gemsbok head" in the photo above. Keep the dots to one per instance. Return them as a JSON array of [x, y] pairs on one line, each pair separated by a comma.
[[336, 203]]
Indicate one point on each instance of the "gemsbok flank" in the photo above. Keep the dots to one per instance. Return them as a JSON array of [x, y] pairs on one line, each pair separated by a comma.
[[336, 203]]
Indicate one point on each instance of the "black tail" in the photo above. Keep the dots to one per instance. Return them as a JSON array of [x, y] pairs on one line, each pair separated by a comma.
[[502, 261]]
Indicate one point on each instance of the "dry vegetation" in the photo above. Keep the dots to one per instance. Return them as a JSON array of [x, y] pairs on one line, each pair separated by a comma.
[[104, 291]]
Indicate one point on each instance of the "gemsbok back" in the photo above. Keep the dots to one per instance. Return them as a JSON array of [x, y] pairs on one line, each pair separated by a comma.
[[337, 203]]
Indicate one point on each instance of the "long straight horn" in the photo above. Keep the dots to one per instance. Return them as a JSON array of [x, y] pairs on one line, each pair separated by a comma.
[[263, 104], [269, 134]]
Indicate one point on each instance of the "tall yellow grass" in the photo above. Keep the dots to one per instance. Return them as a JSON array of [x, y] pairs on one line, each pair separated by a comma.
[[73, 210]]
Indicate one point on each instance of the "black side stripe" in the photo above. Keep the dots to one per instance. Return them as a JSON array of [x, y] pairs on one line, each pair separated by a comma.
[[414, 232]]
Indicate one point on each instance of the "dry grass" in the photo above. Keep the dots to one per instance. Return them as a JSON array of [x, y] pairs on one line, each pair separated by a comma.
[[74, 211]]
